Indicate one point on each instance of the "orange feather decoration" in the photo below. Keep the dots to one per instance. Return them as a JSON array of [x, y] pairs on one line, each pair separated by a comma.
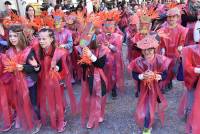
[[149, 81], [148, 13], [9, 65], [12, 19], [171, 5], [85, 60], [54, 74]]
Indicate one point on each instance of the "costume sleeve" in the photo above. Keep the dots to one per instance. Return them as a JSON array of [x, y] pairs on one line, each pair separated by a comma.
[[100, 62], [59, 64], [135, 75], [27, 68], [69, 43], [162, 43], [189, 68], [183, 36], [190, 76], [131, 66], [112, 48], [164, 75]]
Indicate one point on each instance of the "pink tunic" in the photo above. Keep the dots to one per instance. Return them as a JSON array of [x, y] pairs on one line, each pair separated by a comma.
[[177, 38], [150, 91], [191, 59], [114, 67]]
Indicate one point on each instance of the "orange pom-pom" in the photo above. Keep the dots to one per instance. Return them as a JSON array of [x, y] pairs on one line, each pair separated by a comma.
[[54, 74], [85, 60], [9, 65]]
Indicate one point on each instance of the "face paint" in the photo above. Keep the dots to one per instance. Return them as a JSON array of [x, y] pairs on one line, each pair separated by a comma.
[[58, 22], [108, 25], [84, 43], [144, 28], [87, 35]]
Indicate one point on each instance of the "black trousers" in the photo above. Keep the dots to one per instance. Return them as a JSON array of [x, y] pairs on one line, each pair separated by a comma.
[[103, 85], [33, 97]]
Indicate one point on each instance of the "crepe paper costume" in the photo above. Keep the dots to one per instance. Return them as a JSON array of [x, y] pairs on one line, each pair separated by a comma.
[[190, 99], [150, 93]]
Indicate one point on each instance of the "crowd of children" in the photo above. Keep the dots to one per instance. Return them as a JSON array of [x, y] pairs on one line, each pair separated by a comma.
[[42, 56]]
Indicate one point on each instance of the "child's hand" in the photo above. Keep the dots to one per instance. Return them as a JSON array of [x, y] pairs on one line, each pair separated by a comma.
[[148, 74], [62, 46], [33, 62], [20, 67], [158, 77], [87, 51]]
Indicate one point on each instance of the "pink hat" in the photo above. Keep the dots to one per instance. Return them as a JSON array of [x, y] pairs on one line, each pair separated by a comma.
[[148, 42], [173, 11]]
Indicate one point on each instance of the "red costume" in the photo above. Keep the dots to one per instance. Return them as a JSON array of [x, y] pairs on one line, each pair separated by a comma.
[[18, 86], [133, 37], [114, 67], [94, 85], [149, 70], [191, 56], [149, 92], [135, 52], [5, 108], [50, 88], [177, 38]]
